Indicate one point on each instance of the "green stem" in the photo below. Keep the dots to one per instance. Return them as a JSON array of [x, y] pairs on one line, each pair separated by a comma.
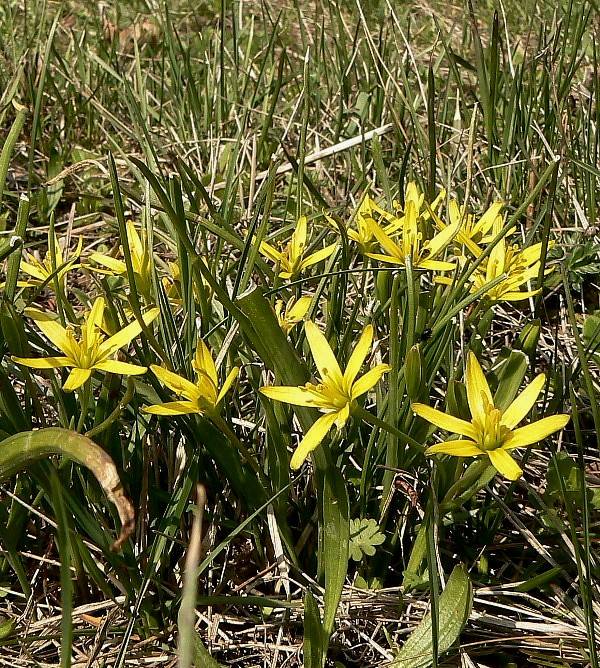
[[84, 402], [220, 423], [376, 422]]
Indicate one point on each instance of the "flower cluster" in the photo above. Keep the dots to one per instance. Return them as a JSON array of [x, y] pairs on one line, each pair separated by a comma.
[[413, 236]]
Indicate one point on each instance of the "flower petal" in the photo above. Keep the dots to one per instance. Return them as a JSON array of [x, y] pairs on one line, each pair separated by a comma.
[[76, 379], [126, 335], [269, 252], [436, 265], [447, 422], [94, 318], [318, 256], [297, 396], [503, 462], [231, 376], [359, 354], [176, 383], [369, 380], [43, 362], [522, 404], [173, 408], [312, 439], [388, 245], [203, 361], [53, 331], [298, 240], [459, 448], [536, 431], [323, 355], [122, 368], [441, 240], [117, 266], [477, 388]]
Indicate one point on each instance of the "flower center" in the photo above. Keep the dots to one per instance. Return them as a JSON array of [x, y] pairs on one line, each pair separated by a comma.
[[490, 432]]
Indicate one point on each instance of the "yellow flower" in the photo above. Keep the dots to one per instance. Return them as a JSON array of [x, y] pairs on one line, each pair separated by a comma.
[[411, 245], [492, 432], [91, 351], [470, 233], [335, 394], [141, 259], [173, 289], [292, 260], [518, 265], [41, 270], [203, 396], [293, 313]]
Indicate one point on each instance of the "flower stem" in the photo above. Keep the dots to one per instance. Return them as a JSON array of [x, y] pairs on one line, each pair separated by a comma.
[[84, 402], [377, 422], [220, 423]]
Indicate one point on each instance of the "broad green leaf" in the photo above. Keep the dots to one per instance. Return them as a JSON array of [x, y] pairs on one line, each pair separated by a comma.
[[510, 379], [336, 536], [364, 537], [455, 603], [313, 634]]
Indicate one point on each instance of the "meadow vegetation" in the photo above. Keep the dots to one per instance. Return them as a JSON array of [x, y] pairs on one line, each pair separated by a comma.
[[299, 333]]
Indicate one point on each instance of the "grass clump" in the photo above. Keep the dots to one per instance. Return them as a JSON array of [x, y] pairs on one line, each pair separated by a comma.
[[322, 280]]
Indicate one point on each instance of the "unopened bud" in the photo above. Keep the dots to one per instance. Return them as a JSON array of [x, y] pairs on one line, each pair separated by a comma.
[[528, 338], [413, 372]]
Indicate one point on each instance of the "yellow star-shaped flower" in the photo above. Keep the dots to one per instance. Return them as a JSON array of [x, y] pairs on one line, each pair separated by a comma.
[[336, 392], [91, 351], [492, 432]]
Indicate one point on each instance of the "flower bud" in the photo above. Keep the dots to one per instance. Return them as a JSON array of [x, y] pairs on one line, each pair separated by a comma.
[[529, 336], [413, 372]]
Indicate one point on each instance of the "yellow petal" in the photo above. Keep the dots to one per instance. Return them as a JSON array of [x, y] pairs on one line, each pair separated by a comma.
[[55, 333], [33, 271], [323, 355], [389, 246], [488, 219], [176, 383], [312, 439], [535, 432], [268, 251], [436, 265], [477, 388], [342, 416], [447, 422], [299, 309], [386, 258], [76, 379], [231, 376], [173, 408], [125, 336], [122, 368], [369, 380], [94, 318], [298, 241], [359, 354], [522, 404], [441, 240], [43, 362], [505, 464], [203, 361], [459, 448], [297, 396], [318, 256], [112, 263]]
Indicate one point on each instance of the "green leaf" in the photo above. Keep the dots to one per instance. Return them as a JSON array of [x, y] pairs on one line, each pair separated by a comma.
[[19, 451], [313, 634], [561, 465], [336, 537], [456, 602], [364, 537], [7, 627], [510, 379]]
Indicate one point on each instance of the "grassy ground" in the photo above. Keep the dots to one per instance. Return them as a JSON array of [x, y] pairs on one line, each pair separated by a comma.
[[213, 126]]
